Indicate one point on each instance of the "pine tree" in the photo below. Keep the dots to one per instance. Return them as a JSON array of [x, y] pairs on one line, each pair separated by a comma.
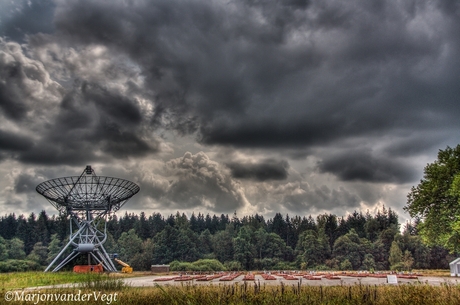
[[3, 249], [9, 226], [42, 228]]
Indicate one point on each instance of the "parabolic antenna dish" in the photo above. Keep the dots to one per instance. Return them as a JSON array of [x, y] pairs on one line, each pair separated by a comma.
[[88, 199], [87, 192]]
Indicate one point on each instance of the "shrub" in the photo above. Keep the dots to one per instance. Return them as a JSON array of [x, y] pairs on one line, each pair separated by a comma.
[[266, 263], [346, 265], [397, 267], [180, 266], [15, 265], [285, 266], [233, 266], [208, 265], [322, 268], [199, 265]]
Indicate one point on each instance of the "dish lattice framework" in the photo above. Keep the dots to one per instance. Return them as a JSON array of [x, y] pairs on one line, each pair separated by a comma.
[[88, 199], [87, 192]]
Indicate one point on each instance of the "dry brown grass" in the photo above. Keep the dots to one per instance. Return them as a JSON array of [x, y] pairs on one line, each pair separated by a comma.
[[259, 294]]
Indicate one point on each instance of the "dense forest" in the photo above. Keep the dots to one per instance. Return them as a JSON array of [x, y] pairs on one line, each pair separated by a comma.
[[358, 241]]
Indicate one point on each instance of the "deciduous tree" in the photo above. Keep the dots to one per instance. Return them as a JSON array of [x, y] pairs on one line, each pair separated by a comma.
[[396, 256], [16, 249], [435, 200]]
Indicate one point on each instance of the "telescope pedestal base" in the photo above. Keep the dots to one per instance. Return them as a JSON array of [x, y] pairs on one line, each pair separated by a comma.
[[89, 243]]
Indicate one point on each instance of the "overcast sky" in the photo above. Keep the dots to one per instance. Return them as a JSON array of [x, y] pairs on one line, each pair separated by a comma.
[[293, 106]]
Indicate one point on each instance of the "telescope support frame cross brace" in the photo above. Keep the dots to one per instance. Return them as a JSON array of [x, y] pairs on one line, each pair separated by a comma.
[[87, 239]]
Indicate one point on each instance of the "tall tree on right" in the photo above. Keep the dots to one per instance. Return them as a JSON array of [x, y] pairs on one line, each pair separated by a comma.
[[435, 200]]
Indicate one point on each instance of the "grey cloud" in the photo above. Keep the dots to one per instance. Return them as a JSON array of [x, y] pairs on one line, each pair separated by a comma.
[[9, 104], [118, 107], [10, 141], [154, 187], [193, 66], [26, 89], [363, 166], [91, 121], [321, 198], [301, 197], [266, 134], [303, 74], [11, 99], [302, 77], [266, 82], [26, 183], [198, 182], [299, 75], [268, 169], [58, 154], [67, 127], [414, 145]]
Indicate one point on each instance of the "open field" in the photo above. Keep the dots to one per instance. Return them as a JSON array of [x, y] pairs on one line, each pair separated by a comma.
[[244, 293], [293, 294], [21, 280], [235, 288], [278, 279]]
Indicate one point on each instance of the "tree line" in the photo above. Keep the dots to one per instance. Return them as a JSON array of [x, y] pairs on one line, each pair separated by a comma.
[[355, 242]]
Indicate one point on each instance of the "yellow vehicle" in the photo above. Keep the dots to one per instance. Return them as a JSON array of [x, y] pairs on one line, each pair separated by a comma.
[[126, 268]]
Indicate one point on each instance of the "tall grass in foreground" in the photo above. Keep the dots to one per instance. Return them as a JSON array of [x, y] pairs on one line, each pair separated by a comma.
[[18, 280], [102, 282], [294, 294], [273, 294]]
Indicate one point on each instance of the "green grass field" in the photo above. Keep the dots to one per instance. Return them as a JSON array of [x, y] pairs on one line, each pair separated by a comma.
[[20, 280]]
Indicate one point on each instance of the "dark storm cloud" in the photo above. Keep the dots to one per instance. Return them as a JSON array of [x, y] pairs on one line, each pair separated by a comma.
[[118, 120], [88, 121], [8, 103], [26, 89], [289, 73], [360, 85], [14, 142], [117, 107], [414, 145], [245, 133], [195, 55], [264, 170], [195, 181], [92, 119], [363, 166], [12, 103], [26, 183]]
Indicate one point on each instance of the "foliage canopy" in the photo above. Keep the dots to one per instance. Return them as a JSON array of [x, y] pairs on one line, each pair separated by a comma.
[[435, 201], [358, 241]]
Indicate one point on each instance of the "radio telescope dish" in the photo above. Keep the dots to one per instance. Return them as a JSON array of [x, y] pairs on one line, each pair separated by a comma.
[[88, 200]]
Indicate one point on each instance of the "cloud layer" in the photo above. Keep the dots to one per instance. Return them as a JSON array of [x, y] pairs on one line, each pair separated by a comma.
[[317, 102]]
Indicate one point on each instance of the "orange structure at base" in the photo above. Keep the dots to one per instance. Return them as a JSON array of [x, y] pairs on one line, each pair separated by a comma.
[[88, 268]]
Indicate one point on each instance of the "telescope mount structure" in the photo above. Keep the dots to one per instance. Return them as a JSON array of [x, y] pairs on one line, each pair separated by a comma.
[[88, 200]]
